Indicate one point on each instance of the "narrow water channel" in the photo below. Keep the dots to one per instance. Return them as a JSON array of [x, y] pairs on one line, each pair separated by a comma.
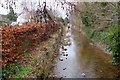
[[80, 59]]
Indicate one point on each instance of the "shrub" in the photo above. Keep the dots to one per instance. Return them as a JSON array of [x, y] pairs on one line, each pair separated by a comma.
[[16, 40], [114, 43], [86, 20]]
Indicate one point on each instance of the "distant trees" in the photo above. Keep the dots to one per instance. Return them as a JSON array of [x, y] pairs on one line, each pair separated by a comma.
[[44, 12], [12, 16]]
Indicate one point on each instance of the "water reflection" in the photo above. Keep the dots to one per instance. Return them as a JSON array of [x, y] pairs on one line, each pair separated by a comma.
[[83, 58]]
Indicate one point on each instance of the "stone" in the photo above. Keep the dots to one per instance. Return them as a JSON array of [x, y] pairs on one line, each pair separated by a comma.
[[83, 74], [66, 54], [65, 49], [64, 69], [60, 59]]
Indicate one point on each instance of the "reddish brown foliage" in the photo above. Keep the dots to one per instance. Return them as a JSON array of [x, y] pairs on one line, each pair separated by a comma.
[[17, 39]]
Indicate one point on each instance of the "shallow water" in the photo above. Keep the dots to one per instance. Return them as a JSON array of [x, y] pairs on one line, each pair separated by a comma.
[[83, 60]]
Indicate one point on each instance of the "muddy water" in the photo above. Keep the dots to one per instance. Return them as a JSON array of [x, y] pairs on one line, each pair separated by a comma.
[[83, 59]]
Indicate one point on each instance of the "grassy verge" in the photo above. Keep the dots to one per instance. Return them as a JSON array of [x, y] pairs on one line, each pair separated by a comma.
[[38, 62], [110, 38]]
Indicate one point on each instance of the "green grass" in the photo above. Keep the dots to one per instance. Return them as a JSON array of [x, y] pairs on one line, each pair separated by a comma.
[[15, 70], [11, 69], [100, 36], [111, 37], [88, 31], [114, 43], [23, 72]]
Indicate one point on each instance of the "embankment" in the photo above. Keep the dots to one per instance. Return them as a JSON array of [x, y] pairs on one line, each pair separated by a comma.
[[28, 50]]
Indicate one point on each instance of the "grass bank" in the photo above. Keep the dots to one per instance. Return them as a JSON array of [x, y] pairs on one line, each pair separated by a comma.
[[103, 30], [37, 61]]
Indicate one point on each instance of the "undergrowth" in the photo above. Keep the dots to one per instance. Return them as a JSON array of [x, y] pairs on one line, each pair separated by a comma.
[[16, 70], [103, 31]]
